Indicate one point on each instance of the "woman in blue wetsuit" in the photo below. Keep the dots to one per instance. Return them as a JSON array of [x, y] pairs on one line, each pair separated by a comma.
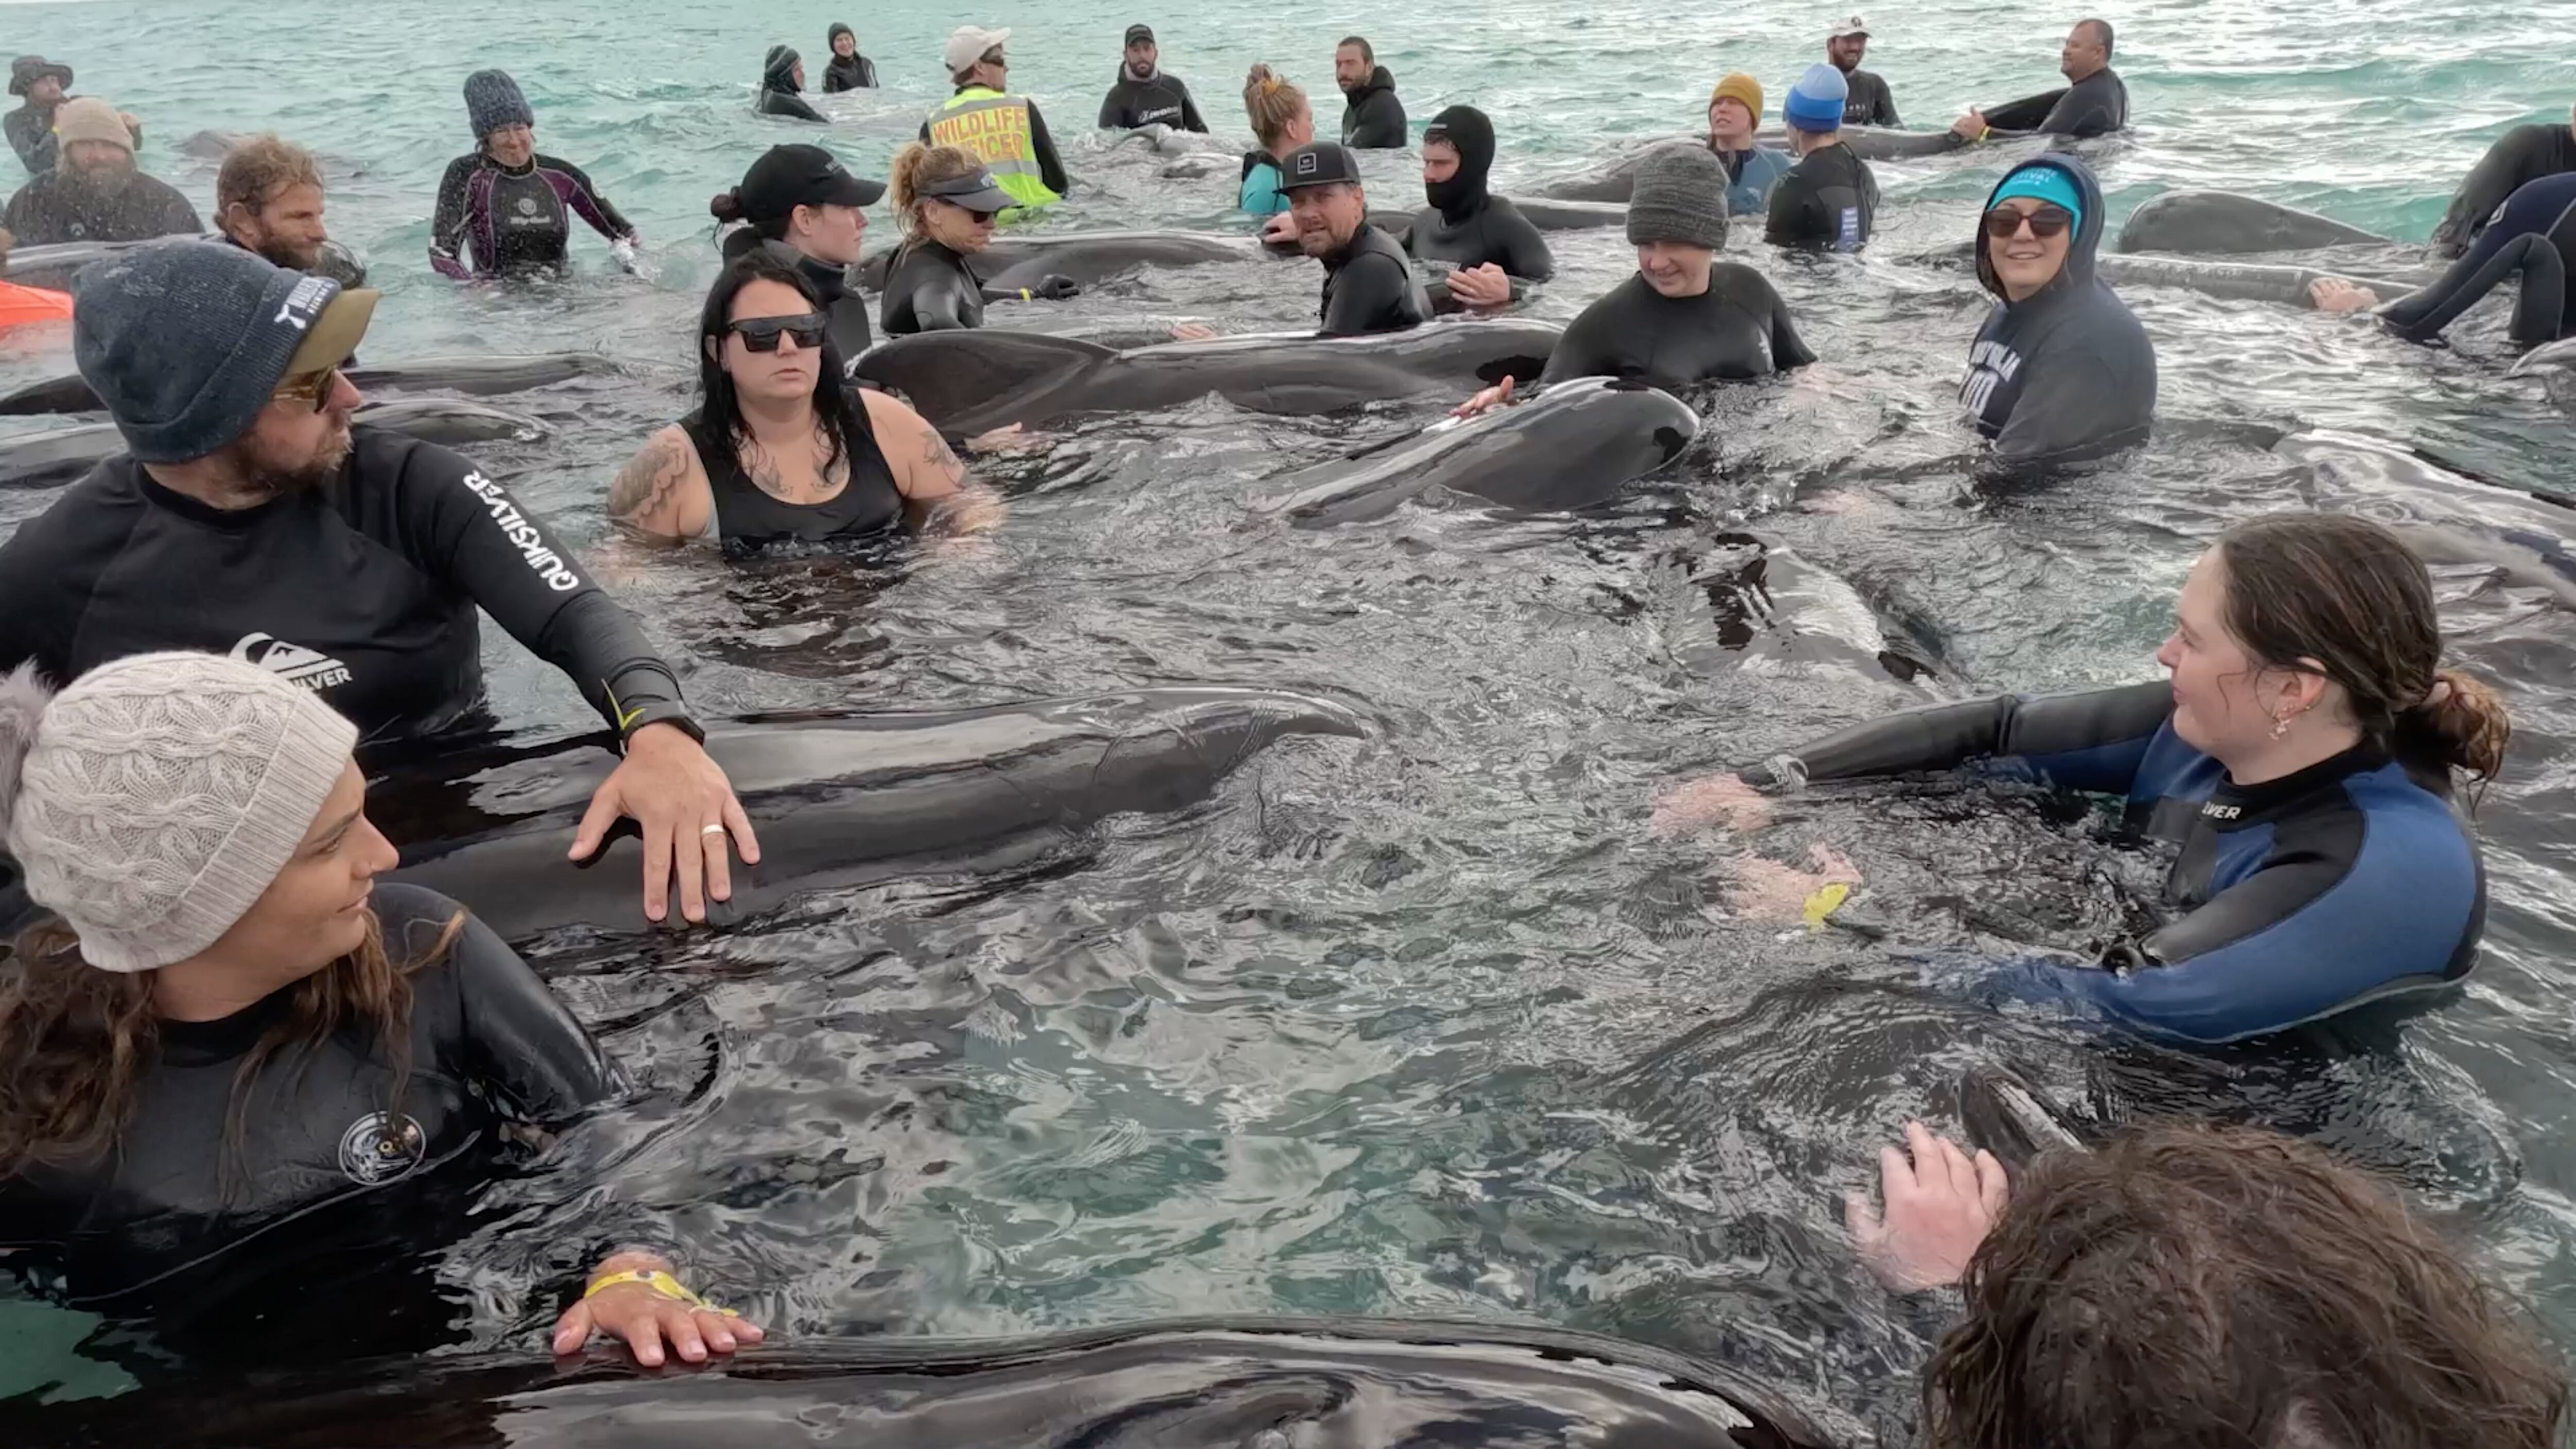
[[2303, 755], [1282, 121]]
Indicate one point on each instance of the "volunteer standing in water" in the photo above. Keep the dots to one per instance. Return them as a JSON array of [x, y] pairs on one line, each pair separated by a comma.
[[1146, 94], [805, 204], [1372, 117], [96, 193], [1868, 102], [1752, 169], [2301, 756], [249, 518], [233, 1026], [268, 199], [2061, 370], [1493, 247], [781, 450], [1281, 121], [31, 127], [849, 70], [947, 202], [1003, 131], [782, 86], [1830, 198], [505, 210], [1369, 285]]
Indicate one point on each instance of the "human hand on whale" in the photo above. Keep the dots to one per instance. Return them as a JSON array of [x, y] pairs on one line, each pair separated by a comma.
[[685, 807], [636, 1297], [1497, 396]]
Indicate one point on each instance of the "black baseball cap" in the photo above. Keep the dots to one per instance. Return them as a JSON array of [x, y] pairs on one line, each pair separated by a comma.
[[787, 177], [1321, 164], [1140, 31]]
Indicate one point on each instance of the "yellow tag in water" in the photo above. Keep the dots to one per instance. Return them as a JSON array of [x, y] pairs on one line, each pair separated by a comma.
[[1825, 902]]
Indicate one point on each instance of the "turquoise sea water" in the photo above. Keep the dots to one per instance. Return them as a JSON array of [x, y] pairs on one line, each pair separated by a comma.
[[1427, 1027]]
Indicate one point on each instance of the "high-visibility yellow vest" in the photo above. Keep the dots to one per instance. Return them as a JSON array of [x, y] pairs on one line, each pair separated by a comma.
[[996, 128]]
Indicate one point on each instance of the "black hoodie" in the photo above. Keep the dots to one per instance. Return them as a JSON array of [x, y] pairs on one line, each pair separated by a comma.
[[2066, 373], [1372, 118], [1158, 100], [778, 88], [854, 72], [1467, 226]]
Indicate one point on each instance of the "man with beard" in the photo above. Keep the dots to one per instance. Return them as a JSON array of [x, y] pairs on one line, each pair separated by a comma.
[[250, 519], [96, 194], [1146, 94], [1369, 285], [1867, 102], [268, 199]]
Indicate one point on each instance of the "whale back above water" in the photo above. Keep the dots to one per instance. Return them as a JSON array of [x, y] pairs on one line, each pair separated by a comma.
[[1084, 256], [2221, 223], [60, 455]]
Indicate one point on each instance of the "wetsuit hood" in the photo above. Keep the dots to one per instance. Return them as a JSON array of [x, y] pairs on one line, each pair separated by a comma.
[[1464, 192], [1380, 79], [778, 73], [2078, 271]]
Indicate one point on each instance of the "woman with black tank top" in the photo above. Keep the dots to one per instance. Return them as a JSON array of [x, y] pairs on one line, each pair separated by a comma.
[[780, 450]]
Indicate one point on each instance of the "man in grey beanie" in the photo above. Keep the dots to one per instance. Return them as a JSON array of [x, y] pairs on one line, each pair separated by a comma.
[[1686, 317], [251, 519]]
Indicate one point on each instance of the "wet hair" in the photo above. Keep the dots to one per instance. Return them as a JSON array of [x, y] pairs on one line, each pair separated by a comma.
[[1367, 52], [257, 169], [1271, 103], [917, 165], [836, 407], [75, 1041], [2195, 1287], [2347, 594], [2101, 32]]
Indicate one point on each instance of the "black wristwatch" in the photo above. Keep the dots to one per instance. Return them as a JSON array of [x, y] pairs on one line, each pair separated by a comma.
[[669, 714]]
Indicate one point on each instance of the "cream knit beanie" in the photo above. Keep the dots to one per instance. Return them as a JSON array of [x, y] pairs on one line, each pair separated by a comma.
[[153, 802]]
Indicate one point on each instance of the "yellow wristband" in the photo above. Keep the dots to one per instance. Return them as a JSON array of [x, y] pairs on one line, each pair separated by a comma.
[[657, 1280], [1024, 295], [1985, 132]]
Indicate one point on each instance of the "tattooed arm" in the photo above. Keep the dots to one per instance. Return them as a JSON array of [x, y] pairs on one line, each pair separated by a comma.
[[661, 495], [927, 471]]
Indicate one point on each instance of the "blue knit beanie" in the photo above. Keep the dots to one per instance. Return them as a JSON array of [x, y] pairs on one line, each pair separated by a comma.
[[1815, 102], [492, 100]]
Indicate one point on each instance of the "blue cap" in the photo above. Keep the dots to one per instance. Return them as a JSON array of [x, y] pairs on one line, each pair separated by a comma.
[[2042, 182], [1815, 101]]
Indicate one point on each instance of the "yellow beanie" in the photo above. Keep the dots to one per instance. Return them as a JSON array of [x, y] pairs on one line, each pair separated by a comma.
[[1740, 87]]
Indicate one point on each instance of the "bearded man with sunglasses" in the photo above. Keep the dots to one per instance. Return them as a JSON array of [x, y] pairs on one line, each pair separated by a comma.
[[2061, 371], [250, 518]]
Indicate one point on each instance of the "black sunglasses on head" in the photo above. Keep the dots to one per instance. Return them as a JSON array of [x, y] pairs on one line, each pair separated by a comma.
[[2046, 222], [761, 334]]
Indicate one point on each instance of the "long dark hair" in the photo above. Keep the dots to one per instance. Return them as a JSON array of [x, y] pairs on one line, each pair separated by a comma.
[[836, 408], [2348, 594]]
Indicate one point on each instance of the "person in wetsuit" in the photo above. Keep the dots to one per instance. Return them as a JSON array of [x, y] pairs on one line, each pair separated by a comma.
[[848, 70], [234, 1042], [1867, 101], [2061, 370], [782, 87], [1372, 117], [1281, 121], [250, 518], [268, 199], [505, 210], [1002, 130], [947, 201], [1752, 169], [805, 205], [30, 128], [1830, 198], [1686, 317], [2533, 239], [2095, 102], [1494, 249], [2301, 756], [781, 451], [1145, 94], [96, 193], [2521, 156], [1369, 285]]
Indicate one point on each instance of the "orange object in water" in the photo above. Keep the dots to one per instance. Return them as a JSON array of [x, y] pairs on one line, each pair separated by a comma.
[[22, 305]]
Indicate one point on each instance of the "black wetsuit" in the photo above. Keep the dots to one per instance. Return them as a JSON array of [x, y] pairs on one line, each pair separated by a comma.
[[64, 206], [1828, 200], [748, 519], [1738, 328], [2533, 238], [1869, 102], [2521, 156], [2066, 373], [2094, 106], [789, 104], [31, 135], [849, 73], [930, 289], [1369, 286], [2347, 882], [1160, 100], [321, 1139], [498, 221], [1372, 118], [1466, 225], [847, 310], [364, 590]]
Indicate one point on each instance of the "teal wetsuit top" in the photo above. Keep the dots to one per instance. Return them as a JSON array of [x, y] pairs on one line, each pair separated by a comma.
[[1260, 193]]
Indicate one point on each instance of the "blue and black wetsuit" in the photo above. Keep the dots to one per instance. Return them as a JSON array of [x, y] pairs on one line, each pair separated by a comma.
[[2350, 881], [2533, 237], [498, 221]]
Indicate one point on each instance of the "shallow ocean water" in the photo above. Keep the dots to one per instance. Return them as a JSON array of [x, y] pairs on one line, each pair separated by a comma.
[[1427, 1024]]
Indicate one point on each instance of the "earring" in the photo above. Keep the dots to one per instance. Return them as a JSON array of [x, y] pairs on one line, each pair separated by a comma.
[[2281, 727]]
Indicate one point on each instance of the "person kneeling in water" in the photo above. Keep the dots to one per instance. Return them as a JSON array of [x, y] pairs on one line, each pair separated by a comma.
[[506, 210], [2061, 371], [2302, 756], [807, 206], [1369, 285], [781, 449], [233, 1026], [1686, 317], [1494, 248], [946, 202], [1830, 198], [2533, 237], [1752, 169]]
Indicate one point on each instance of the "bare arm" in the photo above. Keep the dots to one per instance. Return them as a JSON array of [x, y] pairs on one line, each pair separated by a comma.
[[662, 495], [927, 472]]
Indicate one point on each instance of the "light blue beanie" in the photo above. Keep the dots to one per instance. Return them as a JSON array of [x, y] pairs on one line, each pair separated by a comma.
[[1815, 103]]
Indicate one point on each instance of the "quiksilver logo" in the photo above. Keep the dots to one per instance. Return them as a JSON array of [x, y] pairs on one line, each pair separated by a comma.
[[524, 535], [308, 667]]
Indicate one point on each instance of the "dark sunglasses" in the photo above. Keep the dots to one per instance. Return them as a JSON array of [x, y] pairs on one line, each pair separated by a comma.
[[2046, 222], [317, 386], [761, 334]]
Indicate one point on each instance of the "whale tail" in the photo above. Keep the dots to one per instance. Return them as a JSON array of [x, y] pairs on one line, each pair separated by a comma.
[[948, 375]]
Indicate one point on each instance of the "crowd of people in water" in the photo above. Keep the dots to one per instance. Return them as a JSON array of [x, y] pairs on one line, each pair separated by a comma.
[[223, 1019]]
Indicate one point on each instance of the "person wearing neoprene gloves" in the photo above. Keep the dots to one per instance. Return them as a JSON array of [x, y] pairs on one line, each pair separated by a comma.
[[2300, 760], [1830, 198], [1752, 169], [1369, 285], [805, 204], [848, 70], [1146, 94], [782, 87], [230, 1026], [1495, 250], [250, 518], [2061, 371], [507, 210], [946, 201]]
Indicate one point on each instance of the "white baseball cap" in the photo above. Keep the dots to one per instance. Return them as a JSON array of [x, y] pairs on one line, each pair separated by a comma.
[[1850, 28], [970, 44]]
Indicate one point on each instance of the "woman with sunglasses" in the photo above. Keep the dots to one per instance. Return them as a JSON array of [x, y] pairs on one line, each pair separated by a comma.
[[946, 201], [2061, 371], [781, 451]]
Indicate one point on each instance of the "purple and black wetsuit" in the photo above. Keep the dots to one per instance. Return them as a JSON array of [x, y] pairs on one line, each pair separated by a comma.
[[496, 221]]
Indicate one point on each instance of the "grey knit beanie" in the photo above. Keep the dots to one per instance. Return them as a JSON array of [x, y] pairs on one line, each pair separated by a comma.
[[492, 100], [153, 802], [1680, 197]]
